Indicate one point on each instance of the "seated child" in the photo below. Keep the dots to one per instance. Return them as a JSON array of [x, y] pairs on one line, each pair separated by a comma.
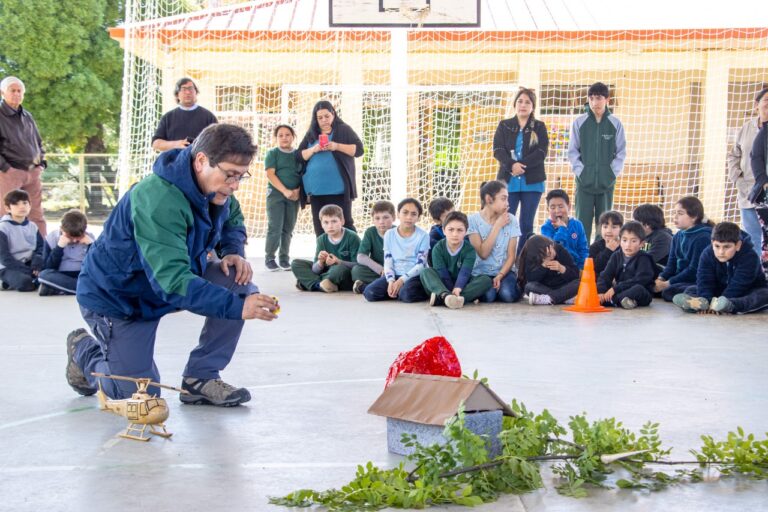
[[21, 246], [547, 272], [658, 237], [370, 256], [64, 252], [627, 281], [729, 279], [563, 229], [438, 209], [494, 232], [608, 243], [450, 282], [405, 256], [687, 245], [334, 256]]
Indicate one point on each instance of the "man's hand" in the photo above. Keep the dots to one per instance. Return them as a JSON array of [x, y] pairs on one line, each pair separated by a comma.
[[259, 306], [393, 288], [332, 260], [243, 270], [181, 144]]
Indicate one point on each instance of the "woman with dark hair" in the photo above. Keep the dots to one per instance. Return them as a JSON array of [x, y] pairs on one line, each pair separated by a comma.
[[521, 145], [328, 150]]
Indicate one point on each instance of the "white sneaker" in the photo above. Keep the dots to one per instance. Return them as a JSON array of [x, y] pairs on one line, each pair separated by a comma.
[[571, 301], [539, 299], [454, 301]]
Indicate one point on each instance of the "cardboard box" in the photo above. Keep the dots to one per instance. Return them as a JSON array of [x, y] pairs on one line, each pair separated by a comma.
[[421, 404]]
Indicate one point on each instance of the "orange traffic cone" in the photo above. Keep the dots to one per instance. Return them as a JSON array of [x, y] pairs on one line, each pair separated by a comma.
[[587, 300]]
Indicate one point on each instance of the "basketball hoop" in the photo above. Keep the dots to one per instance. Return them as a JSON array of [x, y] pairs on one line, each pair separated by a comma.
[[414, 11]]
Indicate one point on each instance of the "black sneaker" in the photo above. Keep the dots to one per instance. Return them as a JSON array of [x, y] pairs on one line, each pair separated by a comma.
[[75, 376], [285, 264], [212, 392], [359, 287], [300, 287], [271, 265], [47, 291], [437, 299]]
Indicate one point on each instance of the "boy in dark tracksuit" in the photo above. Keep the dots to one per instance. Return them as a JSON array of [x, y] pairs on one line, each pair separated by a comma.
[[658, 237], [628, 279], [730, 278], [596, 150], [450, 282]]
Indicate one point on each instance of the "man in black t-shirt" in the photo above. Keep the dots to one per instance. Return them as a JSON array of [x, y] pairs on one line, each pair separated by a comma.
[[178, 127]]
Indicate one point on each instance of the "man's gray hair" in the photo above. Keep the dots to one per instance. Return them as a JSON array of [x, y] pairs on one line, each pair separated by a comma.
[[10, 80]]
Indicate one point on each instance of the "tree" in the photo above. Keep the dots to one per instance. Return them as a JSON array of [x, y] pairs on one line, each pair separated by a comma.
[[73, 71]]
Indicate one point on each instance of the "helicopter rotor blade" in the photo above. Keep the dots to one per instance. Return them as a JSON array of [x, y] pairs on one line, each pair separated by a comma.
[[137, 380]]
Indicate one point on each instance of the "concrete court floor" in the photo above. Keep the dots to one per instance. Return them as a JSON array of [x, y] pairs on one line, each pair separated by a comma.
[[314, 372]]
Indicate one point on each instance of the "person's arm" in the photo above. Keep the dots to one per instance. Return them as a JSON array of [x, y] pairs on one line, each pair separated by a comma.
[[617, 164], [484, 248], [37, 256], [233, 235], [465, 271], [160, 140], [354, 247], [421, 259], [645, 270], [502, 152], [304, 152], [161, 221], [733, 159], [740, 283], [706, 275], [574, 148], [688, 274], [564, 257], [366, 260], [582, 247], [52, 252], [660, 247], [348, 142], [606, 277], [6, 256], [671, 266], [389, 260], [538, 152]]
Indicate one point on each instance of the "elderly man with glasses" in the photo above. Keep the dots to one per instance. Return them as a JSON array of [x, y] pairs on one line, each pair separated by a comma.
[[156, 256], [22, 158], [179, 127]]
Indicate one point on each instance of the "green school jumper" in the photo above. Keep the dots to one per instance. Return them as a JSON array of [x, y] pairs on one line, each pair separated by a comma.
[[464, 259], [340, 274], [372, 246]]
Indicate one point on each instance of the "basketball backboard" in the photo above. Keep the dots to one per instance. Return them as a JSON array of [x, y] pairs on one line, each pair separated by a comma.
[[404, 13]]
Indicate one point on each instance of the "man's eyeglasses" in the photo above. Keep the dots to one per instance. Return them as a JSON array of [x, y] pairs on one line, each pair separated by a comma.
[[234, 177], [187, 88]]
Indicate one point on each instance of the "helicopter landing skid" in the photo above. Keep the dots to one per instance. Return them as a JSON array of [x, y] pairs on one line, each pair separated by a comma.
[[139, 432]]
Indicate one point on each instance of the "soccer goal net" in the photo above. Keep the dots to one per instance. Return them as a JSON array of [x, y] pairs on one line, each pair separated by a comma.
[[426, 101]]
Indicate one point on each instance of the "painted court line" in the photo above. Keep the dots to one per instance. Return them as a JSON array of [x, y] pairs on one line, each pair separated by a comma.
[[189, 466]]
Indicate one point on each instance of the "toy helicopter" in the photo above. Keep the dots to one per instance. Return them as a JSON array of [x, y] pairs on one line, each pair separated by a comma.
[[142, 410]]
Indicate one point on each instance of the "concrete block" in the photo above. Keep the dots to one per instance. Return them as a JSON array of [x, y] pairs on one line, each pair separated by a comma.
[[487, 423]]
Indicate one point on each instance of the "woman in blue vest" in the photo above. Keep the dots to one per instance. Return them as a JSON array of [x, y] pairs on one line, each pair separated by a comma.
[[520, 145], [328, 151]]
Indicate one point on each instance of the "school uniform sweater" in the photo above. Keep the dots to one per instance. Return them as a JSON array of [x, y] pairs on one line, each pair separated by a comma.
[[687, 246], [551, 278], [457, 267], [571, 237], [21, 245], [622, 274], [735, 278]]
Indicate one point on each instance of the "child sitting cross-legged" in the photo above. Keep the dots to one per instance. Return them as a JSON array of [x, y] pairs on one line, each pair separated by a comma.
[[658, 237], [21, 246], [628, 279], [450, 282], [335, 254], [370, 255], [729, 279], [547, 272], [405, 256], [64, 252], [602, 249], [563, 229]]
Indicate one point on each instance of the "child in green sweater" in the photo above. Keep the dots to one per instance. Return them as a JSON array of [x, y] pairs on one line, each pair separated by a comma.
[[335, 253], [449, 280], [370, 256]]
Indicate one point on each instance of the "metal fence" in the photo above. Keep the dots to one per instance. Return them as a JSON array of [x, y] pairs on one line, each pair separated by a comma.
[[87, 182]]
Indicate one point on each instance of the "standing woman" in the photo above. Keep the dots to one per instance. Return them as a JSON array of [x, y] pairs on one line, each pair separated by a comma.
[[521, 145], [740, 169], [329, 150]]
